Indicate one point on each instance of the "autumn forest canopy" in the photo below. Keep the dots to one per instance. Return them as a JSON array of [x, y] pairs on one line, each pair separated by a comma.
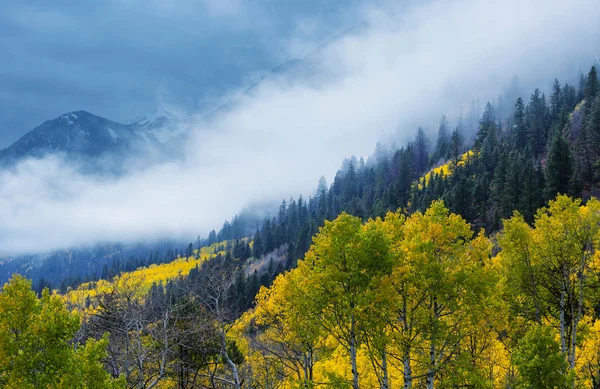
[[465, 262]]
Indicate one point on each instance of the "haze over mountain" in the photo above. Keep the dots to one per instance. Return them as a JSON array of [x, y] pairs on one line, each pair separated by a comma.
[[403, 69], [124, 58]]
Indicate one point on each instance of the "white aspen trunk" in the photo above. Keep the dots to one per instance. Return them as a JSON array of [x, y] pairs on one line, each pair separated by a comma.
[[355, 384], [305, 369], [385, 384], [230, 363], [432, 347], [407, 370], [576, 320], [563, 342], [431, 371], [310, 366], [407, 373]]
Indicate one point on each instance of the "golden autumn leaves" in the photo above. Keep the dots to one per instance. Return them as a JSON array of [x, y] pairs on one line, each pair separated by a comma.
[[35, 344], [420, 301]]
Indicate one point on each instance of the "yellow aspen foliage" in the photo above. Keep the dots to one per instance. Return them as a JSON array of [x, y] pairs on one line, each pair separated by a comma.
[[444, 170], [143, 278], [382, 304]]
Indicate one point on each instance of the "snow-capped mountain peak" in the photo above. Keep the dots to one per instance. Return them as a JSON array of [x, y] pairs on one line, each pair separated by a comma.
[[161, 125]]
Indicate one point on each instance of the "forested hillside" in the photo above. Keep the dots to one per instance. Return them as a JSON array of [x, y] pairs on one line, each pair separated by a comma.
[[469, 261]]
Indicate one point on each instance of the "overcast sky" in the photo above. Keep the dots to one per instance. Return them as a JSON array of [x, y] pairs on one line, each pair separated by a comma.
[[406, 68], [123, 58]]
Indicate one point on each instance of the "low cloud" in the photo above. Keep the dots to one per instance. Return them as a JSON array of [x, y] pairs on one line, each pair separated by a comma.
[[406, 68]]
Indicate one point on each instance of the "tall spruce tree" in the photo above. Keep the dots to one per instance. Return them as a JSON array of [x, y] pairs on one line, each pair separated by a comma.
[[442, 145], [536, 123], [591, 86], [519, 125], [559, 168], [487, 123], [421, 152], [556, 101]]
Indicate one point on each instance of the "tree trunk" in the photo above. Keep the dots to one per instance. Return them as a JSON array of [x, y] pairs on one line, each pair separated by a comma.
[[581, 277], [407, 371], [385, 382], [230, 363], [562, 303], [432, 346], [307, 369], [353, 353]]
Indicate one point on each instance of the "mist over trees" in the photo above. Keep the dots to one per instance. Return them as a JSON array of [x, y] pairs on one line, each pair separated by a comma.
[[464, 261]]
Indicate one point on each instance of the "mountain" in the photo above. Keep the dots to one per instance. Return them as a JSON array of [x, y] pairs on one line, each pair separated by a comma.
[[97, 143], [103, 145], [310, 69], [160, 126]]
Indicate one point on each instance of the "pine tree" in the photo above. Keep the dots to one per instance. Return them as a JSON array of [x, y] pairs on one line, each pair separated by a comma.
[[421, 152], [257, 248], [591, 86], [556, 101], [530, 199], [585, 153], [592, 129], [536, 123], [581, 89], [455, 146], [513, 187], [559, 168], [487, 122], [519, 125], [498, 186], [569, 99], [442, 144]]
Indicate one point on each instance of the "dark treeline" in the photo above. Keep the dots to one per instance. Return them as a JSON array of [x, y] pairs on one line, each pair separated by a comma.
[[69, 268], [544, 146], [183, 332], [524, 154]]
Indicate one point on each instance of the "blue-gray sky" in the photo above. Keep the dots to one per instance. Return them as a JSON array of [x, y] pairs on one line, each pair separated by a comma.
[[124, 58]]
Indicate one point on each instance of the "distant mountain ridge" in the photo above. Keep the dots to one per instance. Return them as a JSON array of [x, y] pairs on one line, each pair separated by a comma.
[[103, 145], [97, 142]]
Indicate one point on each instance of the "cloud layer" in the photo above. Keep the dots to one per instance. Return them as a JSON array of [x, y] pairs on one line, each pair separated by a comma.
[[123, 58], [409, 66]]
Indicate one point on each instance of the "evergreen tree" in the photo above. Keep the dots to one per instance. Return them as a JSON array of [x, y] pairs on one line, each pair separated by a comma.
[[591, 86], [581, 89], [442, 145], [530, 199], [456, 146], [421, 152], [536, 123], [487, 122], [593, 125], [556, 101], [559, 168], [257, 248], [569, 99], [519, 125], [498, 186]]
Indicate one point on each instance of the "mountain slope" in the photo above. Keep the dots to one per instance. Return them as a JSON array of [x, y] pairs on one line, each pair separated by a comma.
[[77, 132], [160, 126], [98, 144]]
